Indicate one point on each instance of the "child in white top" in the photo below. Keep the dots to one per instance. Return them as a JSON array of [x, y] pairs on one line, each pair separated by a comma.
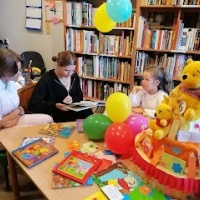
[[154, 86]]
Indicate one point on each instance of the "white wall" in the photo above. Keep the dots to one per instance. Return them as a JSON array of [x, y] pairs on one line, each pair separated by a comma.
[[12, 26]]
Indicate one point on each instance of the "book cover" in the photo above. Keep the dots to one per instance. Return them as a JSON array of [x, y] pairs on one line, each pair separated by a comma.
[[58, 130], [79, 125], [27, 140], [77, 166], [83, 105], [97, 196], [59, 181], [119, 176], [34, 152], [144, 191]]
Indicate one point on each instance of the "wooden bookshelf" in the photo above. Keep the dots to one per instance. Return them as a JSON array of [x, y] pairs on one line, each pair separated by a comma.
[[170, 42], [104, 60]]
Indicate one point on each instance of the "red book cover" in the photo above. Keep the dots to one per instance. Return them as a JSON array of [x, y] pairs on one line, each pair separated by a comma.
[[77, 166]]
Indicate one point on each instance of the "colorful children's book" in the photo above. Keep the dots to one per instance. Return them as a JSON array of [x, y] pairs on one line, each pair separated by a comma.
[[27, 140], [119, 176], [79, 125], [77, 166], [58, 130], [60, 181], [90, 148], [144, 191], [97, 196], [34, 152]]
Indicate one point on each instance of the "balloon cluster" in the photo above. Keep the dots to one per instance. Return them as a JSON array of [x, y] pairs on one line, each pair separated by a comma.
[[112, 12], [119, 128]]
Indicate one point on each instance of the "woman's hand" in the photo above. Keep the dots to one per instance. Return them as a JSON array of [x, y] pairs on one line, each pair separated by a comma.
[[61, 106], [136, 89], [9, 123], [67, 100]]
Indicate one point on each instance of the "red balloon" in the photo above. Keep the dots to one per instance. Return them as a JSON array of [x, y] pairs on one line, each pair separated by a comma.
[[119, 138]]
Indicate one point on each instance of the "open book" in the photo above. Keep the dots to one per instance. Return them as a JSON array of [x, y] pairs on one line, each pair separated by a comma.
[[83, 105]]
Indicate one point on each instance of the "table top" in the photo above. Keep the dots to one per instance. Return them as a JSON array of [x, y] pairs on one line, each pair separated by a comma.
[[41, 174]]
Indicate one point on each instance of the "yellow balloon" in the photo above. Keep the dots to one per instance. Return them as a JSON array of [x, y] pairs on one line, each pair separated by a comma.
[[118, 107], [102, 21]]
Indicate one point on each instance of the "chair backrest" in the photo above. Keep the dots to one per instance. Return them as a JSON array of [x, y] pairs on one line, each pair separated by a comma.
[[25, 95], [37, 60]]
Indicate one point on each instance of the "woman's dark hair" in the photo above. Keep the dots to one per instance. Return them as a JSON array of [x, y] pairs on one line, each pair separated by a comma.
[[166, 83], [8, 62], [65, 58]]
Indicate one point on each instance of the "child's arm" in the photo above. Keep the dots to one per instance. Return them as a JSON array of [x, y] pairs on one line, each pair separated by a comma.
[[136, 96]]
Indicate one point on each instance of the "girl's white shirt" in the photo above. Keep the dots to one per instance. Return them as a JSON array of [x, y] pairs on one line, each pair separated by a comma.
[[9, 99]]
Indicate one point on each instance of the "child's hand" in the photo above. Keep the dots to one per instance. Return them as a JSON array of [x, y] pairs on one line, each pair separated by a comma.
[[67, 100], [136, 89]]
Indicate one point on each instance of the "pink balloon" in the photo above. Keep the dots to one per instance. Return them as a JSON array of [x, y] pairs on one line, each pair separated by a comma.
[[136, 122]]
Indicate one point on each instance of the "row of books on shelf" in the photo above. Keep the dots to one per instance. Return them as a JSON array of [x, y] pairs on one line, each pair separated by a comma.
[[170, 2], [172, 64], [82, 14], [188, 39], [103, 67], [164, 39], [79, 13], [88, 41], [156, 38], [101, 89]]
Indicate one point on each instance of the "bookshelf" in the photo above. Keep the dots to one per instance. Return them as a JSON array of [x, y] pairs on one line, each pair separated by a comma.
[[104, 60], [168, 34]]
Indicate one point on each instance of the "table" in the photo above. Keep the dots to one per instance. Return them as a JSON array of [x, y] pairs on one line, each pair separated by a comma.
[[41, 174]]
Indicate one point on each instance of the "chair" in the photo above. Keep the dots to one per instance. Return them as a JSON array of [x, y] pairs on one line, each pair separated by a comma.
[[4, 164], [37, 60]]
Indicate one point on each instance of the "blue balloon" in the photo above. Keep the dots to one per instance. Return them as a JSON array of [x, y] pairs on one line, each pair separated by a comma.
[[119, 10]]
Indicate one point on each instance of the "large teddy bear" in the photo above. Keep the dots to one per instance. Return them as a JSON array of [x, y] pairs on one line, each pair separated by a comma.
[[188, 91]]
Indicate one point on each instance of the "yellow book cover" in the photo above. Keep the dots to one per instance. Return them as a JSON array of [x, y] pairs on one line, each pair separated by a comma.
[[97, 196]]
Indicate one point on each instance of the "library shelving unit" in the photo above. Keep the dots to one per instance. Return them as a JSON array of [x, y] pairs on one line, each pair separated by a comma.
[[104, 60], [168, 34]]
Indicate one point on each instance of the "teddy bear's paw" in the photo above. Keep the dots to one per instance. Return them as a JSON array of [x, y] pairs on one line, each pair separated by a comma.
[[189, 114], [159, 134], [163, 122]]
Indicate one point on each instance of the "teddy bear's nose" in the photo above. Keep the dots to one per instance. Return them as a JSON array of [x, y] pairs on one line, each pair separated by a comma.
[[155, 114], [184, 77]]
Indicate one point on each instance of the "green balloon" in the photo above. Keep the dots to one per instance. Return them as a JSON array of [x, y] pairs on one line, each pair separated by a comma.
[[95, 125]]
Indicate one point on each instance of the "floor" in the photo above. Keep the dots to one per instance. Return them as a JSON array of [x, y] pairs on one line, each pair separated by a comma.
[[27, 188]]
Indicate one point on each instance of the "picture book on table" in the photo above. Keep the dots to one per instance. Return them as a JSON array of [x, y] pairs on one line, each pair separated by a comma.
[[58, 130], [119, 176], [77, 166], [34, 152], [79, 125], [97, 196], [144, 191], [27, 140], [59, 181]]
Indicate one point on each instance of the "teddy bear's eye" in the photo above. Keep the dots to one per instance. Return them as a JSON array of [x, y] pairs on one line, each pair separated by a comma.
[[193, 75]]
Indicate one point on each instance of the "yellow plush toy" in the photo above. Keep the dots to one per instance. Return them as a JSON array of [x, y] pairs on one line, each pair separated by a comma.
[[162, 123], [188, 91]]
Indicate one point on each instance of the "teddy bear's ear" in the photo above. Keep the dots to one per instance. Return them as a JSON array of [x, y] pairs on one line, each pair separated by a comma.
[[189, 61]]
